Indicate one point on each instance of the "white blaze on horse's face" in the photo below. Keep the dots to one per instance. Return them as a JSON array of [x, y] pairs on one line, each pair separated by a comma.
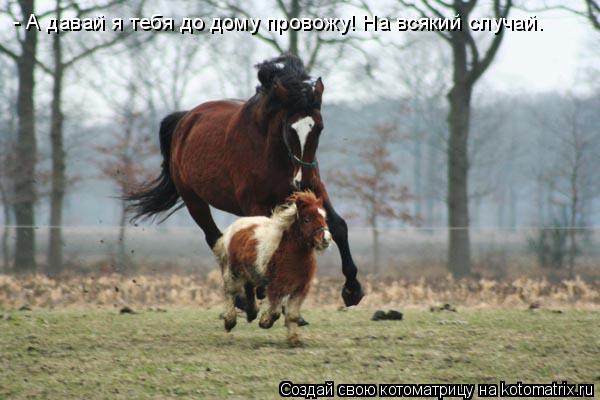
[[303, 127]]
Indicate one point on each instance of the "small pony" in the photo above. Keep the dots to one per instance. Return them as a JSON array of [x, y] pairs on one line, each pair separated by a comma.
[[277, 253]]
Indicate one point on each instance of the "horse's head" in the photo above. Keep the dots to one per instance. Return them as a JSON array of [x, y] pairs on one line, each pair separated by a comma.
[[296, 99], [311, 220]]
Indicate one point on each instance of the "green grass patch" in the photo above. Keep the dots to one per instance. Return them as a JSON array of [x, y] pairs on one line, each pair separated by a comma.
[[101, 354]]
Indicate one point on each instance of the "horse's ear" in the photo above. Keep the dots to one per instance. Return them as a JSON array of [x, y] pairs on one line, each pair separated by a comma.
[[319, 88], [280, 91]]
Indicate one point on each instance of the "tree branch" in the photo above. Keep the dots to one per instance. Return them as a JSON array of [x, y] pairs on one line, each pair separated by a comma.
[[91, 50], [479, 69], [9, 53], [423, 14]]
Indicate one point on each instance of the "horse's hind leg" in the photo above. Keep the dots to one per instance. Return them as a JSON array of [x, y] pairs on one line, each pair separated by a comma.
[[200, 212], [251, 307], [292, 316]]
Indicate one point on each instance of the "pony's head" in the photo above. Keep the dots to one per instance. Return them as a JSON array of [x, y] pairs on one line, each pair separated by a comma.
[[311, 220], [288, 90]]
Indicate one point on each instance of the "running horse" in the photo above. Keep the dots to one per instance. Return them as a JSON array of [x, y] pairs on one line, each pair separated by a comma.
[[247, 157]]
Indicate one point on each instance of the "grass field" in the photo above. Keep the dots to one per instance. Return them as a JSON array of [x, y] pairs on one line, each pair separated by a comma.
[[101, 354]]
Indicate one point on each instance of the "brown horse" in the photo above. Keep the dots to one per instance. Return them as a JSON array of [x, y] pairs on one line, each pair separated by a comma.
[[277, 252], [247, 157]]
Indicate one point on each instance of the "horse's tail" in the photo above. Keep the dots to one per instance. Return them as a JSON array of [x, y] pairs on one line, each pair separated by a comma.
[[160, 194]]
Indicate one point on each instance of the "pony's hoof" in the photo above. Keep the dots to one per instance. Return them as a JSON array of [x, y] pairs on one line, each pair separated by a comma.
[[251, 315], [294, 341], [267, 322], [352, 293], [260, 292], [229, 324], [302, 322]]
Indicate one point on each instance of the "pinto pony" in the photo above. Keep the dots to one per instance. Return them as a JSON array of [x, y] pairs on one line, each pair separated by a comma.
[[246, 157], [276, 252]]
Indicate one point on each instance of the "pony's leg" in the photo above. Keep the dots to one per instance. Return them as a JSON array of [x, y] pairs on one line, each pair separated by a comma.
[[352, 292], [292, 316], [270, 315], [231, 290], [200, 212], [251, 306]]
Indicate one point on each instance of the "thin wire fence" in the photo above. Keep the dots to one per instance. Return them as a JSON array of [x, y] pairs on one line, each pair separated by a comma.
[[410, 252]]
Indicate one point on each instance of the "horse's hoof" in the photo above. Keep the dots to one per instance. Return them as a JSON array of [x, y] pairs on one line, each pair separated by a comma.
[[302, 322], [229, 324], [352, 293]]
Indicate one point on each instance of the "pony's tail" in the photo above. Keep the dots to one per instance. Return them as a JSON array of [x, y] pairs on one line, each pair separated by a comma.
[[160, 194], [220, 252]]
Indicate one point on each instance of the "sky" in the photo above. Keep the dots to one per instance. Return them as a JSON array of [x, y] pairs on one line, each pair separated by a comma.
[[547, 60]]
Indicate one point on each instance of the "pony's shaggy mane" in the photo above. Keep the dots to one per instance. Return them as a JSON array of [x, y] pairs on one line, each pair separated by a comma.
[[285, 215]]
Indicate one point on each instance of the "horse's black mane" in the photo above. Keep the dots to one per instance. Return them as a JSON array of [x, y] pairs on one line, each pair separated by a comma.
[[288, 71]]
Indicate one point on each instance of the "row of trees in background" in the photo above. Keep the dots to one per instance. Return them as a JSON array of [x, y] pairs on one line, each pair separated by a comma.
[[155, 84]]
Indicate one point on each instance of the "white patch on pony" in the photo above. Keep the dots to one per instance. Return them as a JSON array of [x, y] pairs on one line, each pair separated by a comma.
[[322, 212], [279, 65], [267, 233], [222, 246], [303, 127]]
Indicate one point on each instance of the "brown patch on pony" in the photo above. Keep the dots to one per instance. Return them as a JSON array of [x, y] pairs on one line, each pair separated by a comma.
[[242, 251], [294, 264]]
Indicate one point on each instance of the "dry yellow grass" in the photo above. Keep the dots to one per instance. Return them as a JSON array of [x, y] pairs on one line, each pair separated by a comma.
[[116, 290]]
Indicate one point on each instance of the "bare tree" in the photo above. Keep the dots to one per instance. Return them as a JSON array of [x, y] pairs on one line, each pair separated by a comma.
[[24, 56], [593, 12], [124, 157], [420, 115], [150, 87], [308, 45], [6, 173], [7, 146], [469, 62], [572, 178], [61, 63], [374, 186]]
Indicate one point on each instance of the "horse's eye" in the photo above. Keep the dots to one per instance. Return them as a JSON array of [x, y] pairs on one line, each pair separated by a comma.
[[306, 220]]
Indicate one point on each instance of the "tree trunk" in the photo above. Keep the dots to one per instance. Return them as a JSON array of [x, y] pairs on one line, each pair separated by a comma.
[[459, 247], [55, 256], [122, 256], [26, 152], [573, 222], [417, 177], [5, 231], [294, 13], [376, 250]]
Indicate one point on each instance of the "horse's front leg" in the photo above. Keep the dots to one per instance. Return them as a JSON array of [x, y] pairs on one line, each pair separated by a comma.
[[352, 292]]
